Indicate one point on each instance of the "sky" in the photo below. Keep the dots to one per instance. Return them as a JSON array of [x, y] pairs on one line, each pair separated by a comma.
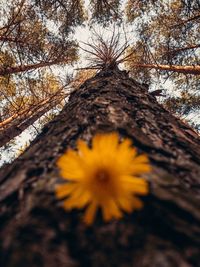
[[82, 34]]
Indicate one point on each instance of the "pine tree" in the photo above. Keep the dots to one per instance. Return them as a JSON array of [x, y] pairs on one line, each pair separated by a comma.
[[29, 47], [37, 231], [166, 45]]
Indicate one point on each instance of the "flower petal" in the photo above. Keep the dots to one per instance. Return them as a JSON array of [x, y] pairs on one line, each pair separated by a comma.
[[125, 203], [137, 203], [90, 213], [110, 210], [105, 142], [65, 189], [83, 149], [106, 213], [103, 176], [70, 166], [135, 185], [115, 211]]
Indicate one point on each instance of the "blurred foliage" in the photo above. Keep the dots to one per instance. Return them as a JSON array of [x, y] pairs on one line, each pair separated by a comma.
[[81, 76], [184, 104], [167, 33], [105, 11], [34, 36]]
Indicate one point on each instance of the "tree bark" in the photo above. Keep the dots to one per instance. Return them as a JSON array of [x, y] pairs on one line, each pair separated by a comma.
[[16, 69], [36, 231], [181, 69], [15, 125]]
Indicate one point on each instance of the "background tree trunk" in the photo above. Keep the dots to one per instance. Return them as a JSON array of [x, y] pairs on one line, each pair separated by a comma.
[[15, 125], [36, 231], [181, 69], [22, 68]]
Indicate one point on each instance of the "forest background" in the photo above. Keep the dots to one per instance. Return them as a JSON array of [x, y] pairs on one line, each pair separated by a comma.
[[43, 51], [113, 156]]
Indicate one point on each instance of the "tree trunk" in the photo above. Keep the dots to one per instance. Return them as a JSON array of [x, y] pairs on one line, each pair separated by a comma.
[[16, 69], [181, 69], [37, 232], [15, 125]]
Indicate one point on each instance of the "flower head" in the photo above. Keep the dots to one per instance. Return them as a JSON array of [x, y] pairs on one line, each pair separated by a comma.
[[105, 176]]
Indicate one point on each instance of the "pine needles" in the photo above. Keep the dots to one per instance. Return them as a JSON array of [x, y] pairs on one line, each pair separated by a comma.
[[104, 52]]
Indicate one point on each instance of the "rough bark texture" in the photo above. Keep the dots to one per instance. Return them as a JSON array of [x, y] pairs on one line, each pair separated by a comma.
[[36, 231]]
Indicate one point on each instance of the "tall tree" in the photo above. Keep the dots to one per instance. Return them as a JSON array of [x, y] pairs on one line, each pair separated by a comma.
[[25, 117], [167, 43], [34, 36], [27, 37], [21, 108], [36, 231]]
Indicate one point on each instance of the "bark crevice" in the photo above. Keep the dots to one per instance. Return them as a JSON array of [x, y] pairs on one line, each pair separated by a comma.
[[36, 231]]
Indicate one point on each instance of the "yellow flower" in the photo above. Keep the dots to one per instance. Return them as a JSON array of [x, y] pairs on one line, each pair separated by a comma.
[[104, 176]]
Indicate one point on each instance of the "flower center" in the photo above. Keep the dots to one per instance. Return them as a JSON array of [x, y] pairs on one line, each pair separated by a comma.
[[102, 175]]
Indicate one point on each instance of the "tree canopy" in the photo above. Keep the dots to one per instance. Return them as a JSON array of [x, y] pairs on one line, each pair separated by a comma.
[[99, 81], [167, 44], [162, 50]]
